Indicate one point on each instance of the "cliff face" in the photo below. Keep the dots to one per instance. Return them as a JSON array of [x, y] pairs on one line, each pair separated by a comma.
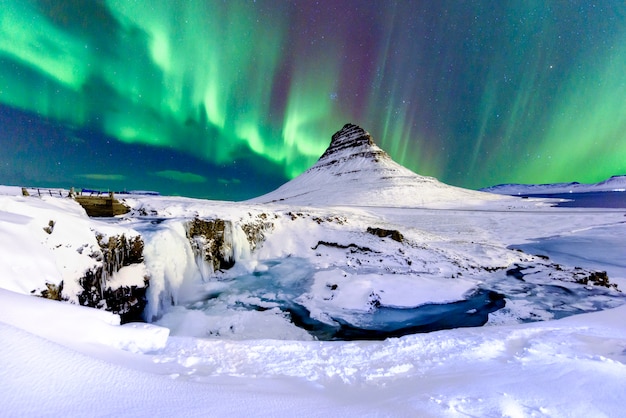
[[99, 290], [54, 250], [221, 242], [210, 240]]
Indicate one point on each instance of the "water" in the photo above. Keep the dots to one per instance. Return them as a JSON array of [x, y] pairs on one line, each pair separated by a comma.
[[523, 294], [270, 302], [275, 288], [588, 200], [387, 322], [534, 294]]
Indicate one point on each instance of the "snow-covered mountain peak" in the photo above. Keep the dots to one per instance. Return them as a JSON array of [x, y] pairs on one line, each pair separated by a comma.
[[351, 141], [355, 171]]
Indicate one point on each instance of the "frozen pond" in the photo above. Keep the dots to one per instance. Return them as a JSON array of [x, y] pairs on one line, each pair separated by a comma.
[[271, 301], [279, 299], [267, 304], [277, 287]]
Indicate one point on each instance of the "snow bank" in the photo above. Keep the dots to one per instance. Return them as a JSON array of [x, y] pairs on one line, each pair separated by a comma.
[[40, 378], [10, 190], [18, 249], [559, 368], [57, 233], [52, 231], [77, 326]]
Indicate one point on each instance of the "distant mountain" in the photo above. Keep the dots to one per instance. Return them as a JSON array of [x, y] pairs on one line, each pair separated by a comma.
[[613, 184], [355, 171]]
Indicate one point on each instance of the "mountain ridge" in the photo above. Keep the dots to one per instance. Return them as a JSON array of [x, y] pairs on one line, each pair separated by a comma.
[[354, 171], [351, 137], [612, 184]]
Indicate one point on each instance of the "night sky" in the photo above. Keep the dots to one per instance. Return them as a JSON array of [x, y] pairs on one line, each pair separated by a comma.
[[230, 99]]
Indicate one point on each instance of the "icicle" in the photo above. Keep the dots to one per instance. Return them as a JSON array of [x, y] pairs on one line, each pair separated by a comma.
[[103, 279], [199, 248]]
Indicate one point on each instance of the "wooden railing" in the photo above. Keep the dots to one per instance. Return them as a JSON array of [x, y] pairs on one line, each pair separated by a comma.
[[40, 191]]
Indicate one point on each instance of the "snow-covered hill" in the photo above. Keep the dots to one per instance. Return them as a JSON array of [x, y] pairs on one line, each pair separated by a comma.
[[613, 184], [354, 171]]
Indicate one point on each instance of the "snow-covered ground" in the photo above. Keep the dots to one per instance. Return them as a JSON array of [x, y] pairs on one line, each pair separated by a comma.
[[282, 306], [62, 359]]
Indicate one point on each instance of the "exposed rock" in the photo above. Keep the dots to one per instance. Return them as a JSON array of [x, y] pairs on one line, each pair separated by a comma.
[[119, 251], [341, 220], [255, 231], [53, 291], [127, 301], [50, 227], [207, 240], [353, 247], [557, 272], [220, 242], [596, 278], [382, 233], [351, 141], [144, 212]]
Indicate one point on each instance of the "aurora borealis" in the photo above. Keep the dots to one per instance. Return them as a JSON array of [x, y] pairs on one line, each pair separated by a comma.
[[229, 99]]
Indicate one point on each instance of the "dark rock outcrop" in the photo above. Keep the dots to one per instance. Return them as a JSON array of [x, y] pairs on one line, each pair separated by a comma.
[[255, 230], [207, 239], [53, 292], [351, 141], [353, 247], [394, 234], [215, 240], [558, 272], [596, 278], [127, 301], [50, 227]]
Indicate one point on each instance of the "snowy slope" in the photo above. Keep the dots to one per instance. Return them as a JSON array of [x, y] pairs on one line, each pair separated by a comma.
[[355, 171], [231, 361], [613, 184], [55, 232]]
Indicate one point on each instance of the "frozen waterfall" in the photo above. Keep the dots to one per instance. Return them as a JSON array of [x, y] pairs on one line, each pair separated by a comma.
[[177, 263]]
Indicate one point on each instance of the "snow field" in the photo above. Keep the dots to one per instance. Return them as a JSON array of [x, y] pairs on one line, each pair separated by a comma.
[[62, 359]]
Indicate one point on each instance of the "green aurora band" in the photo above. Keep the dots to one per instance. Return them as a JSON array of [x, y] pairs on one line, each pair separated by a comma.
[[474, 93]]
